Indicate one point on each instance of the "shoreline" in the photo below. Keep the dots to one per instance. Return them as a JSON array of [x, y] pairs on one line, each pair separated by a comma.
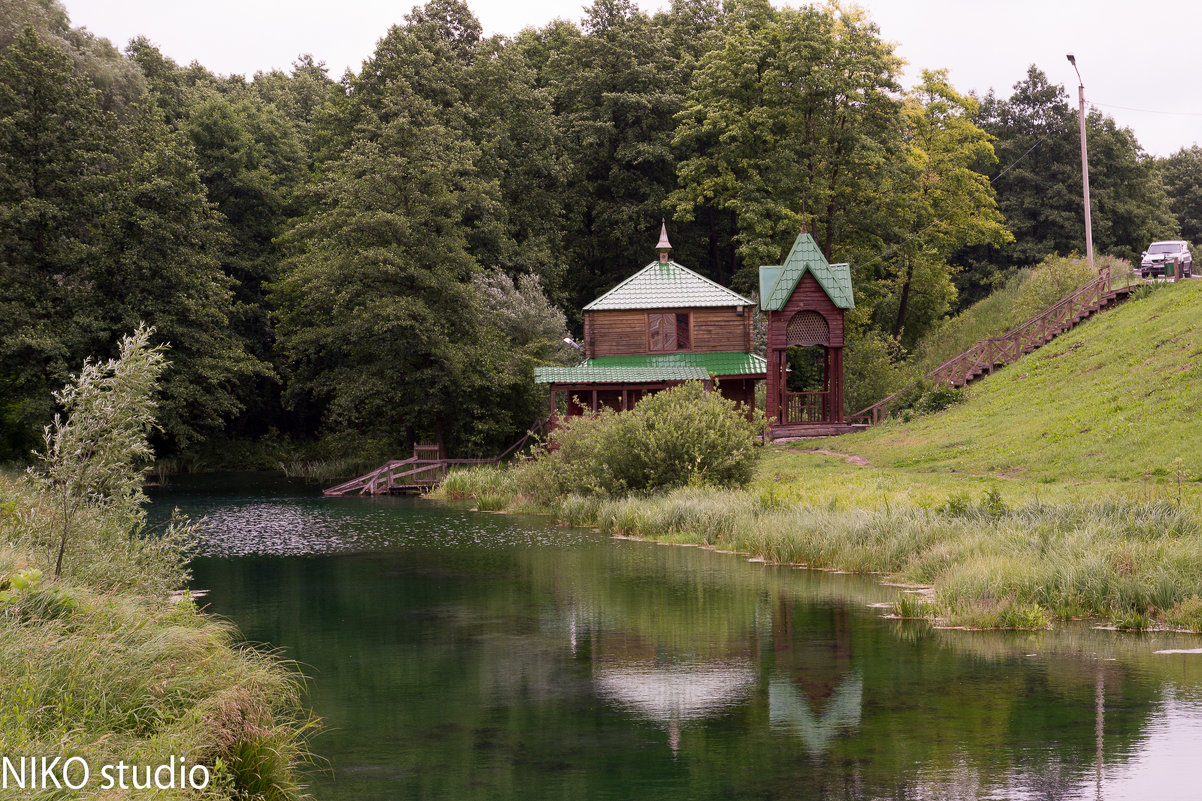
[[112, 668], [989, 562]]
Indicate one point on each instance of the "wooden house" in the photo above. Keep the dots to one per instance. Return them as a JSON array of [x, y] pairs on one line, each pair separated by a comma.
[[805, 300], [662, 326]]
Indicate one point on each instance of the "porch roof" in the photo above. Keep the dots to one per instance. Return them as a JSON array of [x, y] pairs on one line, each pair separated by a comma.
[[655, 368]]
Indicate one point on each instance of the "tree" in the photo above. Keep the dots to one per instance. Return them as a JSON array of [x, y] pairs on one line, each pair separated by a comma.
[[56, 168], [524, 316], [378, 319], [788, 122], [939, 204], [160, 262], [306, 97], [1037, 141], [95, 449], [118, 81], [105, 224], [1181, 174], [616, 96], [522, 153]]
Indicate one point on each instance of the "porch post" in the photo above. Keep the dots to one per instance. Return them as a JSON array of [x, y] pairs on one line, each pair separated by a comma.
[[782, 366], [837, 385], [594, 401], [828, 384], [771, 401]]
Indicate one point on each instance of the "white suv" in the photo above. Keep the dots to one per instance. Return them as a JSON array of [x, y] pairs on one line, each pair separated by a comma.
[[1158, 253]]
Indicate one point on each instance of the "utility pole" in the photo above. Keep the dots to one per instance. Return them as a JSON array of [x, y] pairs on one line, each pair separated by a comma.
[[1084, 161]]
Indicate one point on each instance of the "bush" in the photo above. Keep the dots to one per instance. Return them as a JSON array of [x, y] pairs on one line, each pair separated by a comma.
[[681, 436], [924, 397]]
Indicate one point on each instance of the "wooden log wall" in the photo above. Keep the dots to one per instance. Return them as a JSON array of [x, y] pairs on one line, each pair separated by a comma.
[[624, 333]]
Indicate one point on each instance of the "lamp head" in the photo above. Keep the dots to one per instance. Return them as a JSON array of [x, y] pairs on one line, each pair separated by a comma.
[[1072, 59]]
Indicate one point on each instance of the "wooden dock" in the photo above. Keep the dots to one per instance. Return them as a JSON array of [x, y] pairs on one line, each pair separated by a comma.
[[421, 472]]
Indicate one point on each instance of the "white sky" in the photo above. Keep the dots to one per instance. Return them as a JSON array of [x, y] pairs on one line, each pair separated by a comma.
[[1139, 55]]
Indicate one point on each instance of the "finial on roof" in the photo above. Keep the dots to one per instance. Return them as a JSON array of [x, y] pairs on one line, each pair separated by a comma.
[[804, 230], [664, 245]]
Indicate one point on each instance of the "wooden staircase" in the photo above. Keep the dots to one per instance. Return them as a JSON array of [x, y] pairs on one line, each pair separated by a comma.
[[989, 354], [421, 472]]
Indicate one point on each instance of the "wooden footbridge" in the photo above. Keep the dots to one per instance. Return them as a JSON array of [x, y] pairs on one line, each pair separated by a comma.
[[989, 354], [421, 472]]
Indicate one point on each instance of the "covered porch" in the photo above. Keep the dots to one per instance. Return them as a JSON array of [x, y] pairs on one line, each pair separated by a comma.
[[619, 382]]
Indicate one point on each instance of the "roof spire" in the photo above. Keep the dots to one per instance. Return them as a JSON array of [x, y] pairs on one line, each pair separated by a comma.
[[664, 245]]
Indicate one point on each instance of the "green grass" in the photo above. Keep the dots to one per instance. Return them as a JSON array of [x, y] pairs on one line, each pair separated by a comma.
[[1066, 486], [1119, 398], [110, 669]]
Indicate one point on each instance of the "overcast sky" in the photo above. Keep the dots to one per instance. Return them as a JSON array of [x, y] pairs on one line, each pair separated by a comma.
[[1137, 58]]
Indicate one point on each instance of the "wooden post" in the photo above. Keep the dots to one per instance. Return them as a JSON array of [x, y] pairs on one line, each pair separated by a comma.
[[839, 373], [828, 384], [594, 401], [782, 383], [625, 399]]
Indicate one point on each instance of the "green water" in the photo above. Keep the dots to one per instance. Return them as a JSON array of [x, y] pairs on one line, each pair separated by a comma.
[[457, 655]]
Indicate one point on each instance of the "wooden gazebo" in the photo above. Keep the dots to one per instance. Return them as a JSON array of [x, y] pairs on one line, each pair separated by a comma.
[[805, 299]]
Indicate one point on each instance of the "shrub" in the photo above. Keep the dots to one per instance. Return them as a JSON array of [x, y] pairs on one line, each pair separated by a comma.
[[924, 397], [681, 436]]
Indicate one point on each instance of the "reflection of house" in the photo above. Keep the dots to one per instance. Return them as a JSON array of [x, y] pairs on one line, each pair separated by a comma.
[[791, 710], [661, 326]]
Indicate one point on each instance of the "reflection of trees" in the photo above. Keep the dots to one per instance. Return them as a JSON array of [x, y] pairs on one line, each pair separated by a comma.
[[623, 670]]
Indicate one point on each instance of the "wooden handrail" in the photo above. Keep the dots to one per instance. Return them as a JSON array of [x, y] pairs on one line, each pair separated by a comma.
[[385, 478], [991, 352]]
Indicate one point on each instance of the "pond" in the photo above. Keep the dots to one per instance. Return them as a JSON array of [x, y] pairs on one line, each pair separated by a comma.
[[459, 655]]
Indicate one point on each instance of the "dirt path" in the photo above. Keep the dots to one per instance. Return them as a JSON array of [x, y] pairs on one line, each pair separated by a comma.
[[859, 461]]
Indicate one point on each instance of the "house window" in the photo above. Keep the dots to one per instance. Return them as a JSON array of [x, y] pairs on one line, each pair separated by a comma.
[[682, 331], [668, 332]]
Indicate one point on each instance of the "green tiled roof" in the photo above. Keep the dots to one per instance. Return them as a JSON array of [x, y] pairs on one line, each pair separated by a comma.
[[665, 286], [654, 368], [777, 283]]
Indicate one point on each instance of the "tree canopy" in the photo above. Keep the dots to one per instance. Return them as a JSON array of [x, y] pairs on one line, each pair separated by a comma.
[[390, 253]]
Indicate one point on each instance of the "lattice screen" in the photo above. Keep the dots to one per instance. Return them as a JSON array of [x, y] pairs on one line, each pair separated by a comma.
[[807, 328]]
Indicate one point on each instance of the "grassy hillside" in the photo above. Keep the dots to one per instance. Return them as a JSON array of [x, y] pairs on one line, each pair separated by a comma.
[[1026, 294], [1117, 398]]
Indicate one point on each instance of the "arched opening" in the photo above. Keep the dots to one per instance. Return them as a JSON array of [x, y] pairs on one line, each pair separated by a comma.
[[807, 386]]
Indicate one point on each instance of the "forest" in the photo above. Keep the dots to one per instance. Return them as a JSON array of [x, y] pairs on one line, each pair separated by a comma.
[[363, 260]]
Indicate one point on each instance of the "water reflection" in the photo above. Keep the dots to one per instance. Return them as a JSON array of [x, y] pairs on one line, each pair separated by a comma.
[[458, 655]]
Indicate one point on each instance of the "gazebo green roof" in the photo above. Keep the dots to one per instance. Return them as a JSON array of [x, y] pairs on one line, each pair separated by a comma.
[[778, 282], [666, 286], [655, 368]]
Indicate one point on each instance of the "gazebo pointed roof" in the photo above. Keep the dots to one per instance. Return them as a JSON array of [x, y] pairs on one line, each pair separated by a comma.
[[778, 282]]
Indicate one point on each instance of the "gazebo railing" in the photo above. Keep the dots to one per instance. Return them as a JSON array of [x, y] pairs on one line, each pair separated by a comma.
[[807, 407]]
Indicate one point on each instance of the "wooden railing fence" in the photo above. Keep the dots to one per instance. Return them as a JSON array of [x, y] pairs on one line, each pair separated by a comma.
[[417, 473], [807, 407]]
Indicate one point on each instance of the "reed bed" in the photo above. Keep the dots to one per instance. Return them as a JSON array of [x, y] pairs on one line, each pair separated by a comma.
[[112, 669], [1130, 563]]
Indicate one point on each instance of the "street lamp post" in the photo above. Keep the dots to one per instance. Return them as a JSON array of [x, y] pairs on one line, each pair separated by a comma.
[[1084, 162]]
